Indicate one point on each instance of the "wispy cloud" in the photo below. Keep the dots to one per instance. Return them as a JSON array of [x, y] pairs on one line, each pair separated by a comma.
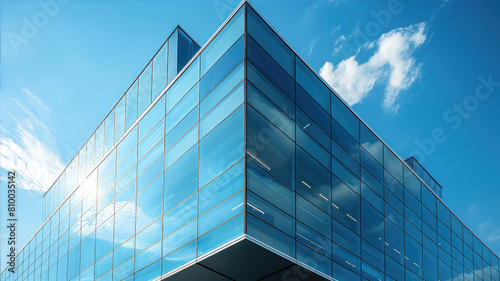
[[392, 63], [26, 144], [311, 45]]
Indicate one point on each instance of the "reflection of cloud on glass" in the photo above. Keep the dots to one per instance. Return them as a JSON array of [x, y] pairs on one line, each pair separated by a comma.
[[26, 144], [375, 149]]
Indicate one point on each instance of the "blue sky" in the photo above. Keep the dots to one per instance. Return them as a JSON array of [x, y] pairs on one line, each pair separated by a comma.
[[423, 74]]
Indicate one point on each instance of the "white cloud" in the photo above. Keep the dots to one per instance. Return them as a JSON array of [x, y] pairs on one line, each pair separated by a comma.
[[26, 144], [392, 64]]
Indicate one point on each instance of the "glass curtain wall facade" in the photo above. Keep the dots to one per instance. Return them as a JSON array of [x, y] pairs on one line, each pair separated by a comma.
[[245, 142]]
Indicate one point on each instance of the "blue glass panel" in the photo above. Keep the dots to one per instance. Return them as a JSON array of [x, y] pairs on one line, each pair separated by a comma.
[[180, 179], [185, 50], [180, 215], [393, 185], [413, 254], [341, 273], [182, 108], [222, 68], [150, 174], [270, 68], [270, 236], [372, 166], [345, 117], [313, 181], [154, 115], [412, 183], [172, 55], [270, 214], [226, 37], [269, 110], [312, 147], [313, 217], [131, 105], [222, 110], [349, 240], [308, 125], [179, 258], [120, 119], [160, 71], [345, 175], [314, 240], [313, 110], [221, 213], [393, 165], [273, 45], [394, 241], [149, 203], [372, 225], [152, 139], [222, 89], [126, 145], [179, 238], [99, 146], [222, 147], [221, 235], [144, 96], [124, 218], [374, 257], [183, 145], [124, 270], [313, 259], [180, 129], [87, 251], [270, 148], [313, 85], [222, 187], [270, 90], [122, 253], [370, 196], [182, 85], [373, 183], [150, 273], [270, 188], [345, 205], [345, 140], [145, 239]]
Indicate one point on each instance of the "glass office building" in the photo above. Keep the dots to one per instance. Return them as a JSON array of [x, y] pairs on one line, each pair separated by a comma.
[[235, 161]]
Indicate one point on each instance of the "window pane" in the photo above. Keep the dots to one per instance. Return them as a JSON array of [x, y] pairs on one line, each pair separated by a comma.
[[270, 148], [222, 110], [345, 205], [109, 125], [182, 85], [222, 147], [222, 89], [372, 225], [182, 108], [131, 110], [313, 217], [226, 37], [270, 41], [160, 71], [221, 213], [270, 68], [222, 68], [270, 188], [344, 116], [180, 179], [172, 55], [313, 181], [270, 90], [371, 143], [393, 165], [144, 97], [270, 214], [312, 85], [269, 110], [222, 187], [119, 119]]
